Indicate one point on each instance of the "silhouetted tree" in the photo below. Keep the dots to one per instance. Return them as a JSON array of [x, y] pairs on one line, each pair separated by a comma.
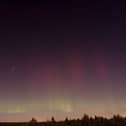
[[33, 122], [85, 120], [66, 120]]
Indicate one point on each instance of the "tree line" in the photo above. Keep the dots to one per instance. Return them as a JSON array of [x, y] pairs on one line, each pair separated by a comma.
[[116, 120]]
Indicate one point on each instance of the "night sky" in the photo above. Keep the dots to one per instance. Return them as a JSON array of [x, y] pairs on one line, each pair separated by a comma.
[[62, 59]]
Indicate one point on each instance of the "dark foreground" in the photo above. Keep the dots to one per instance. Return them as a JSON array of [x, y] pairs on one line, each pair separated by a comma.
[[117, 120]]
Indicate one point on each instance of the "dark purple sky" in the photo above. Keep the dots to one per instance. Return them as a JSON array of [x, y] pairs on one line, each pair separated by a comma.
[[62, 59]]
